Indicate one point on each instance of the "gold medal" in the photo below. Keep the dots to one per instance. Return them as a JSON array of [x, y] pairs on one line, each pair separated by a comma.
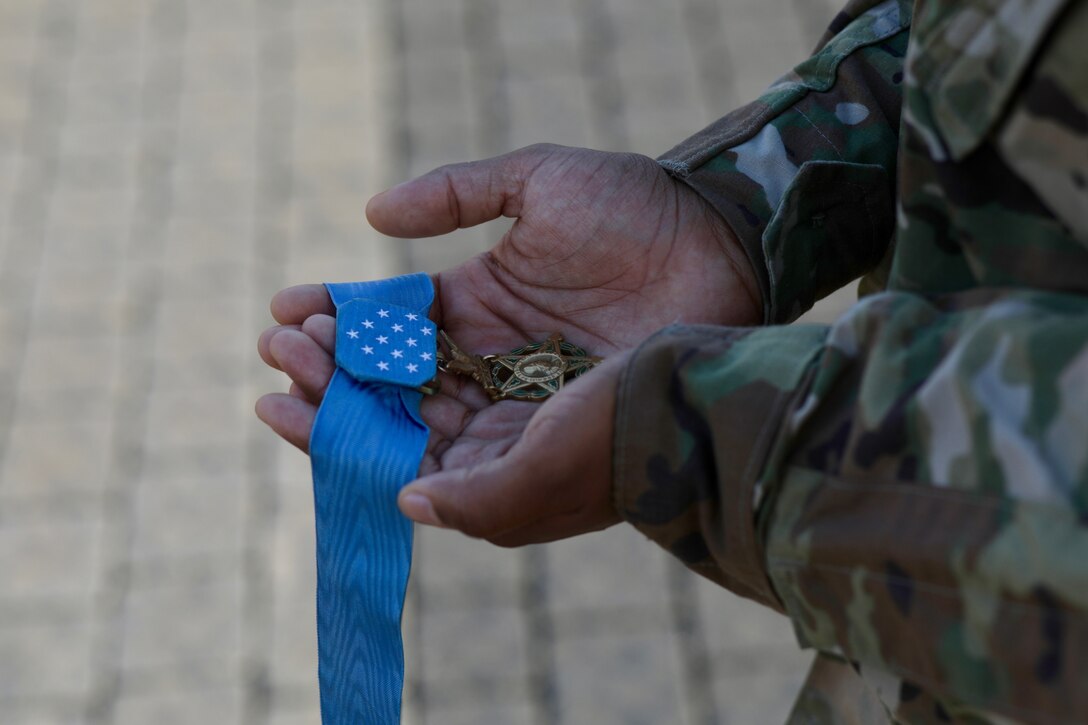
[[533, 372]]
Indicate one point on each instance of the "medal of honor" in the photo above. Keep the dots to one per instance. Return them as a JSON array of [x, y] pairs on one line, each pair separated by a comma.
[[533, 372], [367, 442]]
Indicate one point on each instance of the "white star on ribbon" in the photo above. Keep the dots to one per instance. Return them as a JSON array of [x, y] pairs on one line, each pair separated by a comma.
[[398, 353], [411, 341], [382, 339], [353, 334], [368, 349], [383, 313], [426, 331], [398, 328], [412, 316], [383, 365], [425, 355], [368, 324], [412, 367]]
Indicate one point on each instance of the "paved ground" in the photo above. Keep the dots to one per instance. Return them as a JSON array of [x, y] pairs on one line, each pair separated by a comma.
[[165, 165]]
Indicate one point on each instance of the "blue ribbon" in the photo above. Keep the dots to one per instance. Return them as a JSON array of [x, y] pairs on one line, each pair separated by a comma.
[[367, 442]]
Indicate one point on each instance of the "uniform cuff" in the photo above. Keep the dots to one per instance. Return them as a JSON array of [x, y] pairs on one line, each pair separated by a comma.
[[804, 175], [699, 411]]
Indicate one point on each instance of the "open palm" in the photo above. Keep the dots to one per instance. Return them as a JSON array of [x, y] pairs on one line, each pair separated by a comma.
[[606, 249]]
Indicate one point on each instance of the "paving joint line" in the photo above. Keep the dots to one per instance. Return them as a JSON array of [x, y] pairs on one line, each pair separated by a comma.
[[540, 638], [703, 23], [397, 133], [274, 182], [152, 207], [488, 74], [696, 664], [31, 202], [599, 65]]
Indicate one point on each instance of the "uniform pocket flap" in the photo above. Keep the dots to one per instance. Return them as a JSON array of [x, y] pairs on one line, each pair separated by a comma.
[[973, 56], [833, 225]]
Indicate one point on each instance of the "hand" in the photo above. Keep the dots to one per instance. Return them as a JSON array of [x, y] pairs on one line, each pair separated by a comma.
[[512, 472], [604, 243], [606, 249]]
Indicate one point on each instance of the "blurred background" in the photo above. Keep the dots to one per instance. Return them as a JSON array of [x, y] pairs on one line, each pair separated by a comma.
[[165, 166]]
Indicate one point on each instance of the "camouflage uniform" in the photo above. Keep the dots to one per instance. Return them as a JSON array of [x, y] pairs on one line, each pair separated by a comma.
[[910, 484]]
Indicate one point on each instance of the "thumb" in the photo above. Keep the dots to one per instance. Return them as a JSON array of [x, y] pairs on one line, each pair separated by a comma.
[[456, 196], [556, 475], [483, 501]]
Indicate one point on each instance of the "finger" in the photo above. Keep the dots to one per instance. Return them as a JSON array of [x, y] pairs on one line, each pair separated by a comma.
[[289, 417], [527, 483], [293, 305], [322, 328], [560, 469], [266, 338], [483, 501], [296, 392], [304, 361], [456, 196]]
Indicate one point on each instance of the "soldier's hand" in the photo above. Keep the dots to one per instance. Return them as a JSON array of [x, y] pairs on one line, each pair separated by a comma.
[[511, 472], [554, 481], [605, 249], [606, 242]]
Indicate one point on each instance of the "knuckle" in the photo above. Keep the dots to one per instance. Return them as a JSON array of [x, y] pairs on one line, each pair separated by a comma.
[[541, 148], [453, 201]]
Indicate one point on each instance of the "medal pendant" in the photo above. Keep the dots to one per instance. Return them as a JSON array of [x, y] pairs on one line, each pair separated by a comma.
[[538, 370], [533, 372]]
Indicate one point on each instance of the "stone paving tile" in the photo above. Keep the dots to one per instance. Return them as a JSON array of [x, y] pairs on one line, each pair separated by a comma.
[[189, 617], [748, 40], [66, 363], [25, 470], [210, 672], [191, 460], [192, 239], [615, 569], [486, 713], [64, 557], [178, 418], [735, 625], [45, 661], [294, 580], [168, 511], [473, 655], [763, 691], [293, 656], [452, 567], [181, 708], [77, 301], [630, 679], [756, 668], [657, 75], [302, 716], [56, 712]]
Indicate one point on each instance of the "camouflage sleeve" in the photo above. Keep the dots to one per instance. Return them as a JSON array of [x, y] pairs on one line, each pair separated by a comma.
[[805, 175], [910, 485]]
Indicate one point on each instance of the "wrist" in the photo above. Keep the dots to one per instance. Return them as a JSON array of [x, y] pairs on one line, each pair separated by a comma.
[[738, 292], [749, 303]]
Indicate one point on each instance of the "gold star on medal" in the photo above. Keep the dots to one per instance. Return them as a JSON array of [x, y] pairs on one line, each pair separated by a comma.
[[538, 370]]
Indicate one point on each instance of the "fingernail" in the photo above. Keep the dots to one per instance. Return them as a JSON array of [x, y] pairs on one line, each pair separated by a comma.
[[419, 509]]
